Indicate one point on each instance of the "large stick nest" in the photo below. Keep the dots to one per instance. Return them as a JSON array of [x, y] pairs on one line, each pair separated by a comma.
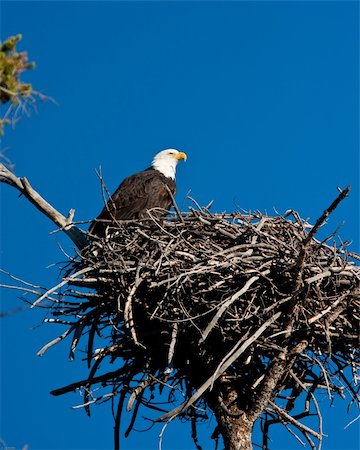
[[190, 300]]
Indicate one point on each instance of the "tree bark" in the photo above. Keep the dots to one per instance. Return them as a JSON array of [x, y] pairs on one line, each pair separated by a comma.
[[236, 432], [234, 424]]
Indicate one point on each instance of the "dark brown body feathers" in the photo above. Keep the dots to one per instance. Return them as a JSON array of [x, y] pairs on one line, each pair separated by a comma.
[[134, 197]]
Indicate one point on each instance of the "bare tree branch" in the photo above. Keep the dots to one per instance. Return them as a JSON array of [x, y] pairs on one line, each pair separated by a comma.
[[64, 223]]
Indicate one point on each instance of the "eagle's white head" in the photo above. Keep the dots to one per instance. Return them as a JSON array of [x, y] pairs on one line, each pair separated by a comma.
[[166, 161]]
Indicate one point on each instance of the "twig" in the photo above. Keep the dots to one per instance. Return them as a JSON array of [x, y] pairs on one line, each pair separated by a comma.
[[138, 391], [172, 344], [293, 421], [56, 340], [220, 371], [326, 214], [119, 410], [128, 310], [225, 306], [108, 376], [62, 283], [163, 431], [174, 203]]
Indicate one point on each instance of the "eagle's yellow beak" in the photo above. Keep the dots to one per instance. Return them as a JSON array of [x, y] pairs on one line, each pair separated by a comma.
[[181, 155]]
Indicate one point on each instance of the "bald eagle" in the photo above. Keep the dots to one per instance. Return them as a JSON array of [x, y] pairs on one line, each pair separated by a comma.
[[141, 192]]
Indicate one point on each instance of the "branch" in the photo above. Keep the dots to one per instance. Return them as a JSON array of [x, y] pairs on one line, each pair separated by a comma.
[[226, 304], [64, 223], [293, 421], [326, 214], [233, 356], [106, 377], [59, 285], [174, 203], [301, 258]]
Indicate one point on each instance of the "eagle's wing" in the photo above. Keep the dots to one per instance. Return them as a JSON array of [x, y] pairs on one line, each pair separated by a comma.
[[135, 195]]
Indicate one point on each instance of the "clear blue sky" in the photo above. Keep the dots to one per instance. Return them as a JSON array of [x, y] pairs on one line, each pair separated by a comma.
[[262, 96]]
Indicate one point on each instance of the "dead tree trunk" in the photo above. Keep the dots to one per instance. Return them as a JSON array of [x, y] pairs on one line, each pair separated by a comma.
[[234, 424], [236, 432]]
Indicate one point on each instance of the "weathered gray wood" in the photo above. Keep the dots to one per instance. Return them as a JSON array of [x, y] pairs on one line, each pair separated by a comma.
[[64, 223]]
